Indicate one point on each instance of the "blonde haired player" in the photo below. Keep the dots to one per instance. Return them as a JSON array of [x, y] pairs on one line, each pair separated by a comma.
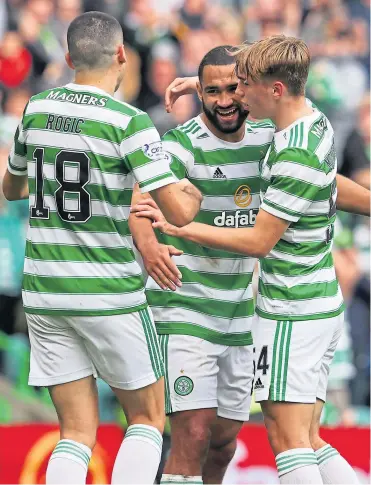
[[300, 306]]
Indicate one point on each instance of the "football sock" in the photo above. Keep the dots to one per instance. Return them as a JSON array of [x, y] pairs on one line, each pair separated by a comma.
[[68, 463], [333, 467], [139, 456], [298, 466]]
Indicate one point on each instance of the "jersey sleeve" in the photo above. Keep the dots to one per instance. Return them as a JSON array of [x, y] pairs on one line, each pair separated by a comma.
[[296, 180], [180, 150], [144, 155], [17, 160]]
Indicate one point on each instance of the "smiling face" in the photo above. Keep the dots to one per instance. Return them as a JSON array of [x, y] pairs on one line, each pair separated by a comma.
[[221, 105]]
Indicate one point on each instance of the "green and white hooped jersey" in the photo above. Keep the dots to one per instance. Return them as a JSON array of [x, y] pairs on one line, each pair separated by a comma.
[[297, 278], [82, 151], [215, 302]]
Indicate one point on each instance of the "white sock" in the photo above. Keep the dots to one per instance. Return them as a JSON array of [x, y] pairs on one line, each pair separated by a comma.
[[68, 463], [333, 467], [297, 466], [139, 456], [173, 479]]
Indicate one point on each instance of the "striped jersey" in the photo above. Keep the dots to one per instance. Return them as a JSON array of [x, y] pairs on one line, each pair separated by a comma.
[[297, 278], [215, 301], [82, 150]]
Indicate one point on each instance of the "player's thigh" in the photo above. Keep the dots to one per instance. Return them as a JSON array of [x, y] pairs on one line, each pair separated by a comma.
[[76, 404], [288, 358], [191, 372], [235, 382], [58, 353], [337, 328], [124, 348]]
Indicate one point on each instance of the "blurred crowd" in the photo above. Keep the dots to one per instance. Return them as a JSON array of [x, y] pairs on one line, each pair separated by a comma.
[[168, 38]]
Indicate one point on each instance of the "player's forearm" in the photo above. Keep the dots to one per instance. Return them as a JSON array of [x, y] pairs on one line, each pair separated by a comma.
[[15, 187], [189, 203], [242, 241], [179, 202], [352, 197], [141, 228], [142, 232]]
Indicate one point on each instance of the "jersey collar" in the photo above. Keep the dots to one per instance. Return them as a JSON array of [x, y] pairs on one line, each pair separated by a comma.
[[87, 87]]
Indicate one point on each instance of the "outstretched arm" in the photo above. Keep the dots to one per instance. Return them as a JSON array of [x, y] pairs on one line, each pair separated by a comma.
[[256, 241], [352, 197]]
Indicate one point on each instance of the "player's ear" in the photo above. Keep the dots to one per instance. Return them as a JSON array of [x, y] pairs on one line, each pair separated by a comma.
[[121, 54], [199, 90], [69, 60], [278, 89]]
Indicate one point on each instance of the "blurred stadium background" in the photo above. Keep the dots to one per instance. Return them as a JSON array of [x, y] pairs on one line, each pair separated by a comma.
[[165, 39]]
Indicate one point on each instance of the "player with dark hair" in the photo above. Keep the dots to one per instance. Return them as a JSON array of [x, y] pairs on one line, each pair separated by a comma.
[[205, 326], [78, 152]]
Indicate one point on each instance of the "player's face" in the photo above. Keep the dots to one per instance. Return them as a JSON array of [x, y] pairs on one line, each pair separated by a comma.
[[221, 104], [256, 97]]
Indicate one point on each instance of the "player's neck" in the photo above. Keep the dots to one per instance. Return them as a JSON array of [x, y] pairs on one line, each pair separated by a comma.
[[290, 110], [99, 79], [229, 137]]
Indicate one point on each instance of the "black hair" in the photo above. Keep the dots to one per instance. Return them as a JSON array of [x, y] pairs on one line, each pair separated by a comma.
[[219, 56], [92, 40]]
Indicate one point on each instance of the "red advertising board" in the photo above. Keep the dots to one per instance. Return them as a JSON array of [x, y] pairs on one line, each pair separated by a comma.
[[25, 450], [254, 461]]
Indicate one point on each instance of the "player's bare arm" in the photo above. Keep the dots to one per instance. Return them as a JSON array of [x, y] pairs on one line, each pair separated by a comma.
[[156, 257], [352, 197], [256, 242], [15, 187], [179, 87], [179, 202]]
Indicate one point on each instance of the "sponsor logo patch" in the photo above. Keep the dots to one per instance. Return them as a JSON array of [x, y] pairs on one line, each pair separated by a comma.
[[154, 150], [236, 218], [218, 174], [242, 196], [259, 384]]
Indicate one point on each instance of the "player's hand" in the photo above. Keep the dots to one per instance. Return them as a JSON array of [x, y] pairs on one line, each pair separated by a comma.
[[158, 263], [148, 208], [179, 87]]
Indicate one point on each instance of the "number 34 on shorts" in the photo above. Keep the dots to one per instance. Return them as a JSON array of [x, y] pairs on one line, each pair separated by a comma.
[[292, 358]]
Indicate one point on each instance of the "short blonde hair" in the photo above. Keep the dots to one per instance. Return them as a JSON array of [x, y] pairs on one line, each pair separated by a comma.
[[285, 59]]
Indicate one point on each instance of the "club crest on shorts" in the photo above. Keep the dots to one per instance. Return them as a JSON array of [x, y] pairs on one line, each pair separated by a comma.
[[183, 386]]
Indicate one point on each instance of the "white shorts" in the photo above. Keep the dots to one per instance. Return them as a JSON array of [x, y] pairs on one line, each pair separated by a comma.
[[292, 359], [200, 375], [121, 349]]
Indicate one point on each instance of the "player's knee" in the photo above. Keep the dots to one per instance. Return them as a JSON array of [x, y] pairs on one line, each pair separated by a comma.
[[198, 433], [221, 455]]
